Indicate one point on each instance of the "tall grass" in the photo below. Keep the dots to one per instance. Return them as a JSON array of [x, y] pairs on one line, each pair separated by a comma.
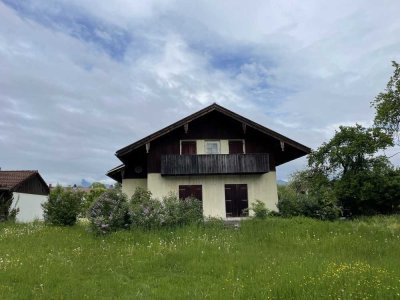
[[275, 258]]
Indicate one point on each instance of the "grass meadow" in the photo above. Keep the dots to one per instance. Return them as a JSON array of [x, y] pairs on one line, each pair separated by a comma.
[[275, 258]]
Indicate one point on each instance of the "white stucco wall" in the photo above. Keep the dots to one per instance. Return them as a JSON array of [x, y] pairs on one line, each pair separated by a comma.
[[30, 206], [129, 185], [259, 187]]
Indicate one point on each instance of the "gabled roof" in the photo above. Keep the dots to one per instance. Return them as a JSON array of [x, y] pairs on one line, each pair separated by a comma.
[[11, 180], [200, 113]]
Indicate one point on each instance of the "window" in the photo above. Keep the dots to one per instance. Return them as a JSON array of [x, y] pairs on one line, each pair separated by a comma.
[[195, 191], [212, 147], [236, 147], [188, 147]]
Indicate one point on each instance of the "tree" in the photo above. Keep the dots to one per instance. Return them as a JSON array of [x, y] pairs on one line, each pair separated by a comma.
[[6, 212], [352, 148], [387, 105], [359, 177]]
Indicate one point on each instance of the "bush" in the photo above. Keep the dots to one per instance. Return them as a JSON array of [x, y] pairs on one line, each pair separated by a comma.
[[191, 211], [6, 212], [320, 204], [179, 212], [110, 212], [148, 213], [145, 211], [97, 189], [259, 209], [62, 207]]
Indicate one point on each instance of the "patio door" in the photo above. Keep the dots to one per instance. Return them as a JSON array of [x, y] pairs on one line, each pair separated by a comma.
[[236, 202]]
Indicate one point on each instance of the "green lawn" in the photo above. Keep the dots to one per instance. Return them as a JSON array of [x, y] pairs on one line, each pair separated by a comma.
[[276, 258]]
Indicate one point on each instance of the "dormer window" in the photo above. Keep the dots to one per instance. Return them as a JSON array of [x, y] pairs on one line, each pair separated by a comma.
[[212, 147]]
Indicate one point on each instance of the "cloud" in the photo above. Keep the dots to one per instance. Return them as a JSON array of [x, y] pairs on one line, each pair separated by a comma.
[[79, 82]]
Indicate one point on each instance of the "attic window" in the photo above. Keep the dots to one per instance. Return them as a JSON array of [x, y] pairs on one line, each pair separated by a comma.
[[212, 147]]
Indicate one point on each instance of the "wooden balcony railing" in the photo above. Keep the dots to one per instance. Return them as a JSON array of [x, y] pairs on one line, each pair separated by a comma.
[[173, 164]]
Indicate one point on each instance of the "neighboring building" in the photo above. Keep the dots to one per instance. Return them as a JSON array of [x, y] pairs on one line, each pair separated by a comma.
[[29, 191], [216, 155]]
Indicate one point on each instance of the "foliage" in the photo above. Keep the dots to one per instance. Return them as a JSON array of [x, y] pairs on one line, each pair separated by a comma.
[[110, 212], [387, 104], [298, 258], [147, 212], [319, 203], [62, 207], [96, 189], [6, 212], [259, 209], [351, 149], [373, 191], [362, 181]]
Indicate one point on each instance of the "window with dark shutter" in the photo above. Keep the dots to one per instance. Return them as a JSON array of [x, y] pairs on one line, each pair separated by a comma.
[[235, 147], [236, 202], [194, 191], [188, 147]]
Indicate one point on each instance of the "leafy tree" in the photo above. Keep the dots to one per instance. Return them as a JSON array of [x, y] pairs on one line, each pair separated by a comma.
[[353, 148], [359, 178], [6, 212], [387, 105], [372, 191]]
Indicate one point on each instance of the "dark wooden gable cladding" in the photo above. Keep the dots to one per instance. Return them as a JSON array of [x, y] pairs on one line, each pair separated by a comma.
[[33, 185], [214, 125], [211, 126]]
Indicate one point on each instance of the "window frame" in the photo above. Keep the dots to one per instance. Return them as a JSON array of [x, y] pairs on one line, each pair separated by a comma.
[[180, 145], [217, 142], [238, 140]]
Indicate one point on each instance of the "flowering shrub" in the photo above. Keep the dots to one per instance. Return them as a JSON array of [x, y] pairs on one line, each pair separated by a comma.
[[62, 206], [109, 212], [178, 212], [147, 212]]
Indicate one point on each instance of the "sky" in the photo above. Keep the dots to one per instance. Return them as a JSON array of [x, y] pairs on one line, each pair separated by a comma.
[[79, 81]]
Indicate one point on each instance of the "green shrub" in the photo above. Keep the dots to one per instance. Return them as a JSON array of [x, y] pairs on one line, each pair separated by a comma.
[[191, 211], [89, 198], [62, 207], [259, 209], [6, 212], [110, 212], [145, 211], [320, 204]]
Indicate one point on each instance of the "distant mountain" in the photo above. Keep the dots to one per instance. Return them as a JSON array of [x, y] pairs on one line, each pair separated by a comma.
[[281, 182], [85, 183]]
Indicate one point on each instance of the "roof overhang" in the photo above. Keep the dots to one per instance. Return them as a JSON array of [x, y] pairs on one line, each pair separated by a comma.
[[214, 107]]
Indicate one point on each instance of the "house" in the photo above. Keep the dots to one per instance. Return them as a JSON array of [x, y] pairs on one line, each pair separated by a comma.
[[225, 160], [29, 191]]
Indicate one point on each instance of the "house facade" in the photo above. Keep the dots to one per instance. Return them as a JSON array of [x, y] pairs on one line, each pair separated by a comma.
[[29, 190], [221, 158]]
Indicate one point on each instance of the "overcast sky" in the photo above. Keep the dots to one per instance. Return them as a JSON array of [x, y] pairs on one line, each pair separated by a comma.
[[80, 79]]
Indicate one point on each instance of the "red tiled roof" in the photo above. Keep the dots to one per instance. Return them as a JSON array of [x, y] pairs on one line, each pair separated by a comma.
[[10, 179]]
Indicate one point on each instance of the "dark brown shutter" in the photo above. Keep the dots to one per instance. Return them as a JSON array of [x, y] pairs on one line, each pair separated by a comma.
[[236, 200], [235, 147], [189, 147], [195, 191]]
